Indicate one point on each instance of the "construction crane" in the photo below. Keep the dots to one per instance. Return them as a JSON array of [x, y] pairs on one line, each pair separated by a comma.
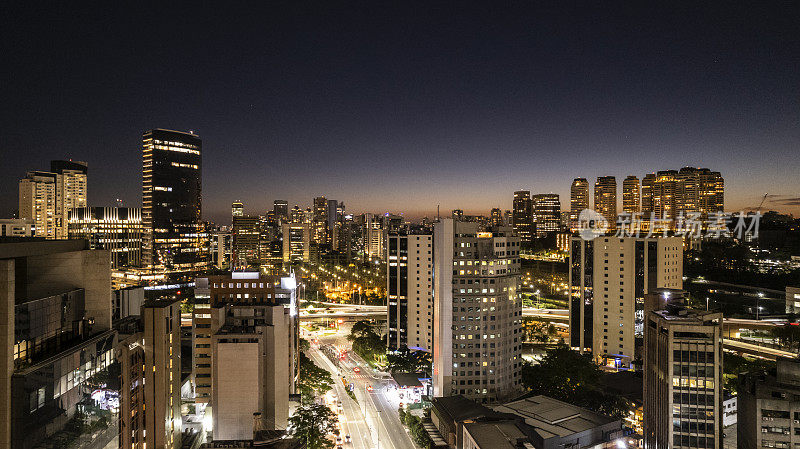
[[762, 202]]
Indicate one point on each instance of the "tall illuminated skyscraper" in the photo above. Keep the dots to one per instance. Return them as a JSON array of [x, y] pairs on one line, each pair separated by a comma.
[[174, 238], [281, 209], [319, 225], [605, 199], [496, 217], [546, 213], [237, 209], [578, 199], [631, 203], [522, 219]]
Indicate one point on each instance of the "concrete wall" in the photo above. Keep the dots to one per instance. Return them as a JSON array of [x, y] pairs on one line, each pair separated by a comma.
[[91, 270], [235, 390]]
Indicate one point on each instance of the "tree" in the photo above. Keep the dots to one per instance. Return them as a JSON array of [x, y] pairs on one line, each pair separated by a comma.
[[313, 381], [313, 423], [405, 360], [366, 342], [572, 377]]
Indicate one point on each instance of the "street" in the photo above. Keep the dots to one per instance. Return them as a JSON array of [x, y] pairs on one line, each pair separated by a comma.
[[382, 427]]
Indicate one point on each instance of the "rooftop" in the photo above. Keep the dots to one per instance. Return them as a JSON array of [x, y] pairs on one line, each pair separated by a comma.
[[460, 408], [553, 418], [496, 434]]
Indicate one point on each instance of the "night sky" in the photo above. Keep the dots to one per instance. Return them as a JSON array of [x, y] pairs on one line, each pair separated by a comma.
[[400, 106]]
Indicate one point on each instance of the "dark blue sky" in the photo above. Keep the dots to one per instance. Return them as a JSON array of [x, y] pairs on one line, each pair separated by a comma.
[[401, 105]]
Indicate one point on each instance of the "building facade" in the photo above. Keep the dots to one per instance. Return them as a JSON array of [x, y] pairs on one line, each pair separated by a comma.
[[477, 336], [683, 378], [578, 199], [546, 213], [609, 278], [410, 291], [174, 237], [605, 199], [245, 238], [17, 227], [631, 197], [522, 219], [150, 399], [769, 407], [116, 229]]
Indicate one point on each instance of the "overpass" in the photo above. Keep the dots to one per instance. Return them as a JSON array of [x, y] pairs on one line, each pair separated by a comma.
[[561, 317]]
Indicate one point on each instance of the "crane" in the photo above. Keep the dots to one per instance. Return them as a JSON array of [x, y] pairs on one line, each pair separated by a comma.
[[762, 202]]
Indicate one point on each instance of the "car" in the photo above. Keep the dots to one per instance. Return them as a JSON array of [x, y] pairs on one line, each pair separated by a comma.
[[356, 370], [369, 387], [347, 438], [338, 440], [339, 446]]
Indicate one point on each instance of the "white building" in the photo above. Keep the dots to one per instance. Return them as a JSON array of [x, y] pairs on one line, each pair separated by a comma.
[[16, 227], [477, 335], [410, 291], [609, 277]]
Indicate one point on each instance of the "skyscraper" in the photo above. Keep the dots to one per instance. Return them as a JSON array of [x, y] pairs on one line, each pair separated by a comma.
[[477, 312], [245, 242], [237, 209], [334, 217], [174, 238], [546, 213], [71, 187], [631, 203], [647, 193], [578, 199], [281, 209], [319, 225], [605, 199], [410, 291], [522, 219], [45, 198], [496, 217], [37, 202], [682, 377]]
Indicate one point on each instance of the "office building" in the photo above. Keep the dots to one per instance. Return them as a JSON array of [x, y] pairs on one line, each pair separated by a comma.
[[243, 313], [71, 190], [174, 237], [631, 199], [578, 199], [17, 227], [477, 339], [296, 242], [410, 291], [335, 213], [496, 217], [319, 225], [522, 219], [688, 192], [55, 336], [605, 199], [150, 358], [281, 209], [609, 279], [648, 182], [682, 377], [116, 229], [237, 209], [545, 213], [245, 239], [221, 247], [768, 412], [373, 238]]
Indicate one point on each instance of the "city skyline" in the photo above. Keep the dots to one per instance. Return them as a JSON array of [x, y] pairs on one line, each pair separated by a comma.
[[530, 105]]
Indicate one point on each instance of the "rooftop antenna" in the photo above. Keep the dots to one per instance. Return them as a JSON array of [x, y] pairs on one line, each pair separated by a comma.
[[437, 212]]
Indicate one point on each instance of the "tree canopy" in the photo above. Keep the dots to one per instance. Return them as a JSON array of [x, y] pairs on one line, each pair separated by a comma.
[[313, 381], [405, 360], [572, 377], [313, 423]]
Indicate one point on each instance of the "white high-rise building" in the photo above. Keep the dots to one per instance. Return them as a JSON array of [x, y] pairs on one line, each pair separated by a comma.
[[477, 335], [410, 291], [609, 278]]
